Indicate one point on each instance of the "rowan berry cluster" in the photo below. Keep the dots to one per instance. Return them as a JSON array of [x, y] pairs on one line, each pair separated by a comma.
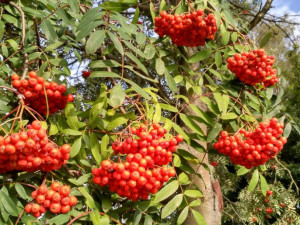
[[189, 29], [139, 174], [254, 67], [57, 199], [253, 148], [31, 150], [86, 73], [38, 93]]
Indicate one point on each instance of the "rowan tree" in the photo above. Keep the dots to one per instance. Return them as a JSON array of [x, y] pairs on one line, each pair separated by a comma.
[[142, 92]]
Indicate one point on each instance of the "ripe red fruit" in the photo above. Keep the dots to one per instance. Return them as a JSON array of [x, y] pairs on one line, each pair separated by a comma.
[[73, 200], [269, 192], [32, 74], [55, 186], [65, 201], [65, 209], [28, 208], [86, 73], [269, 210], [55, 208], [34, 194], [35, 208], [56, 197], [40, 199], [252, 148], [106, 164], [189, 29], [64, 190]]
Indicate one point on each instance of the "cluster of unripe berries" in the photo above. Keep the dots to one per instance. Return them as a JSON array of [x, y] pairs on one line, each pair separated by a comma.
[[189, 29], [35, 90], [252, 148], [254, 67], [86, 73], [139, 174], [57, 199], [31, 150]]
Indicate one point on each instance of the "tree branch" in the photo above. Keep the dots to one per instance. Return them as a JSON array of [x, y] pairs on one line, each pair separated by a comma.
[[258, 17], [22, 36]]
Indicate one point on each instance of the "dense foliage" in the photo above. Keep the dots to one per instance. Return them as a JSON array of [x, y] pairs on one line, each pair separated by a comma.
[[121, 74]]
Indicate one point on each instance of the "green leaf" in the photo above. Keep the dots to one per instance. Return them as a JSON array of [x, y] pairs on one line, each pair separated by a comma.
[[85, 31], [263, 185], [199, 56], [171, 206], [137, 62], [225, 37], [53, 46], [8, 204], [159, 66], [148, 220], [95, 217], [95, 147], [22, 192], [157, 114], [115, 6], [228, 116], [265, 39], [49, 31], [218, 59], [136, 16], [74, 6], [104, 144], [149, 51], [168, 107], [183, 215], [104, 64], [104, 74], [1, 30], [166, 191], [138, 89], [202, 114], [89, 17], [287, 130], [253, 181], [75, 147], [243, 170], [152, 11], [199, 218], [170, 81], [116, 122], [89, 199], [193, 193], [162, 5], [116, 42], [137, 217], [181, 131], [72, 132], [59, 219], [191, 124], [195, 203], [213, 133], [94, 42], [13, 44], [117, 96]]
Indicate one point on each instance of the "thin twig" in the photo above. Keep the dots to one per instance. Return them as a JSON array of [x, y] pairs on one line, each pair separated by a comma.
[[23, 23], [291, 176]]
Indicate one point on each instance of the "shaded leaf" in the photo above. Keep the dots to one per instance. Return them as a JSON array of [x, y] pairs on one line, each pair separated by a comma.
[[166, 191], [171, 206]]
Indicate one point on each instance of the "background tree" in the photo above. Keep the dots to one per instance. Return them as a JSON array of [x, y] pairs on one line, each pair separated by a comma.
[[136, 77]]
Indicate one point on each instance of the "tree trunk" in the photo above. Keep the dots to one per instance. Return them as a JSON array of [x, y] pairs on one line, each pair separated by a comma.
[[212, 204]]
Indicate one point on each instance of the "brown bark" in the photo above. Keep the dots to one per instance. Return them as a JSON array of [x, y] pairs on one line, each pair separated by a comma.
[[212, 204], [258, 17]]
